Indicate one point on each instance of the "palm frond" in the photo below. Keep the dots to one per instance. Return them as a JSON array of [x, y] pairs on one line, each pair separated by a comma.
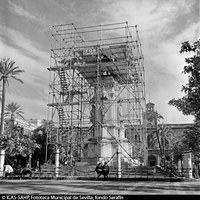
[[17, 79], [9, 70], [13, 109], [164, 133]]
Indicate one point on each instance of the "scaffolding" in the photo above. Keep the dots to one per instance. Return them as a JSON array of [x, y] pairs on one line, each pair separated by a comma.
[[96, 80]]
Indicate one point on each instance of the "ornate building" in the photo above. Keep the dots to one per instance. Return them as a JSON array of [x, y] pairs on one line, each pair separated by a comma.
[[153, 125]]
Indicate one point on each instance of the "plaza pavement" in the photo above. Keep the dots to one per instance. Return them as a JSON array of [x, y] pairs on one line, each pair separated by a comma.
[[92, 187]]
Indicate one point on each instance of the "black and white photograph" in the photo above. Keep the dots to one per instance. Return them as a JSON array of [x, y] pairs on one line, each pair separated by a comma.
[[99, 99]]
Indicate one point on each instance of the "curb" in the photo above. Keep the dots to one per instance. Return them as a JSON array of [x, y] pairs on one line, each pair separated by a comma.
[[161, 179], [158, 179]]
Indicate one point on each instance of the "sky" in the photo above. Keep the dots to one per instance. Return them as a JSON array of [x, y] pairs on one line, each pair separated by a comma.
[[25, 37]]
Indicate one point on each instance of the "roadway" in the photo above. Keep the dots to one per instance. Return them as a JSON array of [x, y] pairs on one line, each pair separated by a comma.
[[89, 187]]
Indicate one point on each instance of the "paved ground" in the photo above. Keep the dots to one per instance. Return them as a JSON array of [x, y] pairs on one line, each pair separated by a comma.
[[88, 187]]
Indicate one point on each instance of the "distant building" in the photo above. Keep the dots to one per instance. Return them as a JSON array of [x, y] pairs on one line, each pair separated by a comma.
[[36, 122], [28, 125], [153, 153], [151, 123], [178, 130]]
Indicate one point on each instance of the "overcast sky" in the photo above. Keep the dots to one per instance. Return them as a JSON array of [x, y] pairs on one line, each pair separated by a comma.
[[25, 37]]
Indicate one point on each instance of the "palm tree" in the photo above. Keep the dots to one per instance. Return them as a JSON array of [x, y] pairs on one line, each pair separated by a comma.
[[7, 70], [164, 138], [13, 110]]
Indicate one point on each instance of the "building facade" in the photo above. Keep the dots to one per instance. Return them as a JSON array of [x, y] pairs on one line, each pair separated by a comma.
[[28, 125], [177, 130], [153, 122]]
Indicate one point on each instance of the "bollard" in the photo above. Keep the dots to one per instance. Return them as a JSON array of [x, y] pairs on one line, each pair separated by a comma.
[[57, 163], [2, 160], [187, 165]]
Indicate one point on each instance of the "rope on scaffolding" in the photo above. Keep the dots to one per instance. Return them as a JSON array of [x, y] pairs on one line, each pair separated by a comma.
[[111, 157]]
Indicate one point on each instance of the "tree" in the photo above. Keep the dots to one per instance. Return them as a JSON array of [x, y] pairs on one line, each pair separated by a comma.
[[7, 70], [16, 141], [40, 136], [163, 137], [13, 110], [49, 139], [190, 103], [166, 136], [191, 140]]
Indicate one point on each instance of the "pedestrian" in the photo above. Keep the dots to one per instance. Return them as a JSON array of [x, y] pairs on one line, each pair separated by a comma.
[[106, 170], [99, 169], [194, 171], [7, 170]]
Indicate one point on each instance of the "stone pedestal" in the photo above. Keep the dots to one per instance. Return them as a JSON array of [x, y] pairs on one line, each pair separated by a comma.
[[111, 133], [90, 151], [179, 167], [187, 165]]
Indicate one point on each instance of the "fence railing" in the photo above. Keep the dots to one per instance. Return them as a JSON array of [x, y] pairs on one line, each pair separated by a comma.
[[128, 172], [132, 172]]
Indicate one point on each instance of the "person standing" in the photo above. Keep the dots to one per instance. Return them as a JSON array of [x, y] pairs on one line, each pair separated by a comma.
[[7, 170]]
